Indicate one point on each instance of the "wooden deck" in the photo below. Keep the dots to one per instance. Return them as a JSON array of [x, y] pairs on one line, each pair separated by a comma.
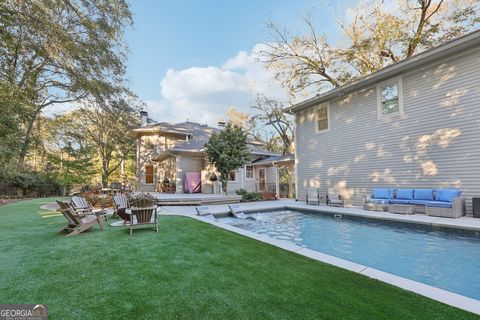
[[195, 199]]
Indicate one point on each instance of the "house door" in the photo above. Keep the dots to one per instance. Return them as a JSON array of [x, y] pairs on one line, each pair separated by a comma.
[[261, 179]]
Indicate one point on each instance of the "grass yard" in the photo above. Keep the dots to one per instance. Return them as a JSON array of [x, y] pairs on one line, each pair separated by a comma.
[[189, 270]]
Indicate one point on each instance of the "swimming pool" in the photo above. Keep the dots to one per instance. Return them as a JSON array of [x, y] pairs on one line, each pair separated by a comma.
[[444, 258]]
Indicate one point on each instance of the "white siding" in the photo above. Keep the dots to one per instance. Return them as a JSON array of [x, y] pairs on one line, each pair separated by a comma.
[[435, 143]]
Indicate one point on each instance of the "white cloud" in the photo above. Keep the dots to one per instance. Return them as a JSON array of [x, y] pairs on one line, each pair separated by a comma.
[[204, 94]]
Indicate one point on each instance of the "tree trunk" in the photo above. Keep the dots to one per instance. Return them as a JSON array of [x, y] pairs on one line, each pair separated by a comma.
[[224, 180], [104, 179], [105, 173], [26, 140]]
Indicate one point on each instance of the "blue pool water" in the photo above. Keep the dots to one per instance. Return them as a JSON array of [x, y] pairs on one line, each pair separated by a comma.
[[443, 258]]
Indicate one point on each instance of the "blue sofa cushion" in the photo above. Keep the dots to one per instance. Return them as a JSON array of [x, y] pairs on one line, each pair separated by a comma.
[[382, 193], [404, 194], [439, 204], [419, 202], [423, 194], [447, 195], [399, 201], [380, 201]]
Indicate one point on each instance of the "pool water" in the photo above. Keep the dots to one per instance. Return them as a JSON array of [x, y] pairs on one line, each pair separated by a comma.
[[443, 258]]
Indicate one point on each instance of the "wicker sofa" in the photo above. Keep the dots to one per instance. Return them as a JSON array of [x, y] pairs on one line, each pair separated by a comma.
[[440, 202]]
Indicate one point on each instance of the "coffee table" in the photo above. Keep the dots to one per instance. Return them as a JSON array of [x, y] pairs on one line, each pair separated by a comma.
[[402, 208]]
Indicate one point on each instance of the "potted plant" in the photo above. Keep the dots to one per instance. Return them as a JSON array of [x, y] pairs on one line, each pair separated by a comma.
[[213, 177]]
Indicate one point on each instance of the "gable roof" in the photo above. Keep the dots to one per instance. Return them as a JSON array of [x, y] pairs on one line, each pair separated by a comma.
[[182, 128], [457, 45], [198, 135], [289, 158]]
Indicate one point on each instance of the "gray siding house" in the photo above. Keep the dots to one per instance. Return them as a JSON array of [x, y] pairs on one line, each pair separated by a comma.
[[415, 123]]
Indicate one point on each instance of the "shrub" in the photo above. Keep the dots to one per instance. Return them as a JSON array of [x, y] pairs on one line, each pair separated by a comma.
[[98, 200], [249, 196], [35, 184]]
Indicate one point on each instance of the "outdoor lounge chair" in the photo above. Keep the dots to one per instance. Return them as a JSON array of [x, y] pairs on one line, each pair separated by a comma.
[[204, 211], [143, 214], [80, 204], [78, 222], [238, 213], [312, 196], [334, 199]]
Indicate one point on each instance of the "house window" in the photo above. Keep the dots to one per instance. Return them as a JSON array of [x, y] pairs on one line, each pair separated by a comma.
[[232, 176], [149, 174], [389, 96], [248, 172], [322, 118]]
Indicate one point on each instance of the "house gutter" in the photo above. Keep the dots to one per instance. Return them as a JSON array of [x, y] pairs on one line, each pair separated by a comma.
[[455, 46], [138, 131]]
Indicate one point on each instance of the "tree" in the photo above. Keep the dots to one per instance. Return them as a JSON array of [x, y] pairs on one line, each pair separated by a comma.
[[11, 112], [104, 125], [377, 36], [270, 113], [69, 155], [227, 150], [61, 51]]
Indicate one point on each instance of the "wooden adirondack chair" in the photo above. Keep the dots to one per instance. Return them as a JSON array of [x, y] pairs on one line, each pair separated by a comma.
[[120, 202], [143, 214], [78, 222], [81, 204]]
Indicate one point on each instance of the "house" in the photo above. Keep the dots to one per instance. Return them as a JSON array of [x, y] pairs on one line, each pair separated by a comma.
[[166, 152], [415, 123]]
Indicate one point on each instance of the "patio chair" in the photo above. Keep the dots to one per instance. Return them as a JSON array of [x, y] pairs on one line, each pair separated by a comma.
[[143, 214], [77, 222], [80, 204], [116, 187], [334, 199], [120, 202], [312, 196]]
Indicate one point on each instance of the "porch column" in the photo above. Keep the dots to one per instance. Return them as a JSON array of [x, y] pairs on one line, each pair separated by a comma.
[[178, 176], [277, 182]]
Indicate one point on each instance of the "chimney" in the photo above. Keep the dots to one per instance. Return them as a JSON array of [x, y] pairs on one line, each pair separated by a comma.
[[143, 118]]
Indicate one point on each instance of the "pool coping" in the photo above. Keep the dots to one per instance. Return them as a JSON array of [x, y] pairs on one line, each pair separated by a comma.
[[441, 295]]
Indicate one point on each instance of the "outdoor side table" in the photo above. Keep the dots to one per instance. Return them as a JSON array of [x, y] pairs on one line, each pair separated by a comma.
[[476, 207]]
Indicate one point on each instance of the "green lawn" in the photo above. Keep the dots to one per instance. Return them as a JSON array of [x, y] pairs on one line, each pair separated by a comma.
[[189, 270]]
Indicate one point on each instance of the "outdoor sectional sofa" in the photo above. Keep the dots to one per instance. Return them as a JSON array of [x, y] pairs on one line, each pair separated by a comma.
[[442, 202]]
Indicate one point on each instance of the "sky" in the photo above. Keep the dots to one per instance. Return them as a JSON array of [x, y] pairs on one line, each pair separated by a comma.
[[193, 59]]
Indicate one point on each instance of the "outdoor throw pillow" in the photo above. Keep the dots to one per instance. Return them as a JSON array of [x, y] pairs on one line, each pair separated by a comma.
[[381, 193], [406, 194], [448, 195], [423, 194]]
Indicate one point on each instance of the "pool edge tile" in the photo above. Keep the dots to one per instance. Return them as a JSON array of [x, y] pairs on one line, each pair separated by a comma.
[[444, 296]]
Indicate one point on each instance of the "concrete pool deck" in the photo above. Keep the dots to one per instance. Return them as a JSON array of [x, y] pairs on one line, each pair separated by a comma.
[[444, 296], [466, 223]]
